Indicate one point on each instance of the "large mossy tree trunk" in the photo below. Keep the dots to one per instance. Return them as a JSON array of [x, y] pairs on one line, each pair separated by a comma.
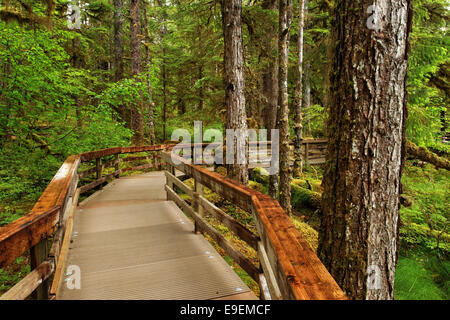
[[284, 25], [359, 233], [235, 85], [136, 61], [270, 83]]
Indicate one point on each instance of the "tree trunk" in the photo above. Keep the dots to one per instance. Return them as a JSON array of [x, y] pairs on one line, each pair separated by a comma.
[[164, 81], [307, 100], [362, 181], [136, 60], [235, 86], [151, 105], [76, 62], [118, 41], [298, 128], [270, 85], [284, 25]]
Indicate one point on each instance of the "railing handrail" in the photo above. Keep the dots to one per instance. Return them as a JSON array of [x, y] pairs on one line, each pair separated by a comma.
[[298, 272], [46, 217], [20, 235]]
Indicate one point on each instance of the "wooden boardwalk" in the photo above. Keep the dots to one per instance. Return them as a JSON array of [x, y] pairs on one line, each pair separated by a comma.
[[130, 243]]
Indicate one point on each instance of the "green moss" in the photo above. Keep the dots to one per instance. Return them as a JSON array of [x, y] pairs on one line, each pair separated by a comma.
[[309, 234], [260, 175], [302, 197], [413, 281], [256, 186]]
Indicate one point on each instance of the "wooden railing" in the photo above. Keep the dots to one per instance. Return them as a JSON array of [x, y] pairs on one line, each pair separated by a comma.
[[289, 268], [47, 229]]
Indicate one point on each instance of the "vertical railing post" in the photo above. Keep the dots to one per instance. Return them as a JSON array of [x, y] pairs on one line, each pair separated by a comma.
[[159, 161], [169, 183], [198, 188], [98, 166], [38, 254], [306, 155], [117, 164]]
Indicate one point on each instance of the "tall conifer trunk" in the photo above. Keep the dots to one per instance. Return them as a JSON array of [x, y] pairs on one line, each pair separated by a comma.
[[366, 146], [284, 25], [270, 85], [136, 61], [234, 85], [299, 93]]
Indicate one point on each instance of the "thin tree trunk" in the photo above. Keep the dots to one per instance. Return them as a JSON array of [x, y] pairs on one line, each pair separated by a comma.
[[298, 128], [366, 147], [270, 85], [307, 100], [151, 105], [136, 61], [118, 40], [164, 80], [234, 85], [76, 62], [284, 25]]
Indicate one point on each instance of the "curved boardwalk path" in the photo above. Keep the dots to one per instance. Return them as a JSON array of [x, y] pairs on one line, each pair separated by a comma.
[[130, 243]]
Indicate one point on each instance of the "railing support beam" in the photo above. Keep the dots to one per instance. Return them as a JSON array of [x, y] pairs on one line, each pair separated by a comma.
[[38, 254]]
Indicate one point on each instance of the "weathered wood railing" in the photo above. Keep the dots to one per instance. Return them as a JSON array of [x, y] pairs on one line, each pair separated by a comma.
[[289, 269], [47, 229]]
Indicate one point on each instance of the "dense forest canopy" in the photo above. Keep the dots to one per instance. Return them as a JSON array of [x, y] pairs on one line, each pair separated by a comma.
[[83, 75]]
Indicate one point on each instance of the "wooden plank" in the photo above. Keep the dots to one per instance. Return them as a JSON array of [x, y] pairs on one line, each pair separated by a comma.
[[264, 288], [232, 224], [56, 245], [27, 285], [38, 254], [128, 159], [95, 183], [20, 235], [141, 167], [59, 271], [299, 272], [225, 187], [205, 227], [271, 281], [88, 172], [116, 165], [172, 180]]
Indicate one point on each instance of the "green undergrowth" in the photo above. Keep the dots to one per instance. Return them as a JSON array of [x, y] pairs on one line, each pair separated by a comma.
[[422, 276]]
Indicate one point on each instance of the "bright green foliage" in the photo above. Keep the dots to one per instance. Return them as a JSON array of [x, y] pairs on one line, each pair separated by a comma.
[[428, 91], [426, 222], [417, 275], [39, 125]]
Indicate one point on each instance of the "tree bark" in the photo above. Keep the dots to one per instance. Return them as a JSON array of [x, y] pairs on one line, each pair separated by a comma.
[[298, 128], [136, 61], [76, 62], [362, 181], [235, 85], [270, 85], [118, 40], [151, 105], [284, 25]]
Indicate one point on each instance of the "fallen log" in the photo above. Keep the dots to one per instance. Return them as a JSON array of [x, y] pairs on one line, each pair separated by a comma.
[[425, 155]]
